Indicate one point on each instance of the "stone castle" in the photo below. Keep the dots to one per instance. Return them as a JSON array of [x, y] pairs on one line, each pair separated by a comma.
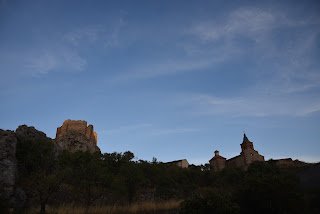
[[246, 157], [77, 126], [75, 135]]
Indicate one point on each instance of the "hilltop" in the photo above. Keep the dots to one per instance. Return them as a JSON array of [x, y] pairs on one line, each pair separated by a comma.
[[37, 171]]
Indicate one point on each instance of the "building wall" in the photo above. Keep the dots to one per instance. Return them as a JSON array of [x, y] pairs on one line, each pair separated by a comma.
[[250, 156], [288, 162], [183, 163], [245, 159], [218, 164], [237, 161]]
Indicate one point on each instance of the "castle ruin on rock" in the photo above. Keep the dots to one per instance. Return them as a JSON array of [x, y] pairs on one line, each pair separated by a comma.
[[246, 157], [75, 135]]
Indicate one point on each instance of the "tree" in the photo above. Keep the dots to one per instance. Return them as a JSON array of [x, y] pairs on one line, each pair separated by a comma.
[[133, 177], [113, 161], [88, 176], [38, 168], [265, 189]]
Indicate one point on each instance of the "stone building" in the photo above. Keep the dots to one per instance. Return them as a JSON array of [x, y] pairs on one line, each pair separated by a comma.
[[246, 157], [289, 163], [181, 163], [77, 126], [218, 162], [75, 135]]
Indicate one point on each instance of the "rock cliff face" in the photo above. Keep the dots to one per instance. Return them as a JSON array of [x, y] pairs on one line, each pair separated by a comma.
[[8, 165], [75, 135], [10, 194]]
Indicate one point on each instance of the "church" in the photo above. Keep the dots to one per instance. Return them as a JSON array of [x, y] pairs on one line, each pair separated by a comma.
[[246, 157]]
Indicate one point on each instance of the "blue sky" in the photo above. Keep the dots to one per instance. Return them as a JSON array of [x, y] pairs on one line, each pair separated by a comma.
[[166, 79]]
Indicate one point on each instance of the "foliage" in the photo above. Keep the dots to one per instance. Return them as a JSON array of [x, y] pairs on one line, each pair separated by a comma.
[[38, 169], [212, 203], [87, 176], [114, 179], [265, 189]]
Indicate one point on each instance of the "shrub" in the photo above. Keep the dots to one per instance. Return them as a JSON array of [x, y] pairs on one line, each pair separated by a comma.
[[212, 203]]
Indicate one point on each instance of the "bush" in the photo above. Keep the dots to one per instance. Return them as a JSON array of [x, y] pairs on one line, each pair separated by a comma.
[[266, 190], [212, 203]]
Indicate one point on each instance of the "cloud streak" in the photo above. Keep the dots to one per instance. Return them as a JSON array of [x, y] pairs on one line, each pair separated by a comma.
[[63, 53], [54, 59], [288, 60], [126, 129], [147, 130], [161, 68], [250, 22], [107, 35], [173, 131], [252, 106]]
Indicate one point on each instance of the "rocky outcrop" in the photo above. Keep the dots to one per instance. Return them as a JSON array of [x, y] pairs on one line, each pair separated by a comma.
[[79, 127], [29, 133], [24, 133], [10, 195], [75, 135], [8, 166]]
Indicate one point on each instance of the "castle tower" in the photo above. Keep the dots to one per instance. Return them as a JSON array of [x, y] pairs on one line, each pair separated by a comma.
[[248, 153], [217, 162], [246, 144]]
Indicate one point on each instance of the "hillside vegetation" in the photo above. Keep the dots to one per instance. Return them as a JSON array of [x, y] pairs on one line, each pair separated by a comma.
[[82, 182]]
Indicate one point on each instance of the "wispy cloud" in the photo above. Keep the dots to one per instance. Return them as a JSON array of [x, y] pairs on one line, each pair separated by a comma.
[[86, 34], [277, 43], [147, 130], [252, 22], [245, 32], [64, 56], [103, 35], [63, 53], [53, 59], [173, 131], [125, 129], [161, 68], [252, 106]]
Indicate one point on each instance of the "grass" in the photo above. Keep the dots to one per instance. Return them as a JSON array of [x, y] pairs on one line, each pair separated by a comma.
[[136, 208]]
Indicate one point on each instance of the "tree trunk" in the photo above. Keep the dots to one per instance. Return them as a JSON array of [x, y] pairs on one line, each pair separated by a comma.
[[43, 207], [87, 209]]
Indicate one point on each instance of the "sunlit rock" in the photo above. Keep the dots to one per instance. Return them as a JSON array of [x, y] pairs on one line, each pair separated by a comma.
[[75, 135]]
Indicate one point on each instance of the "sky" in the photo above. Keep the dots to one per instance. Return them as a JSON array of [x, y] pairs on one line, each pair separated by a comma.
[[166, 79]]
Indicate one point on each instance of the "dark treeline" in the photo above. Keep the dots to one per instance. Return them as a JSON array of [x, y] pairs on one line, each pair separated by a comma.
[[86, 179]]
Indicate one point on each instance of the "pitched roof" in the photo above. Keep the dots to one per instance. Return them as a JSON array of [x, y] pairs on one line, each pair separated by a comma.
[[217, 157], [176, 161], [245, 139]]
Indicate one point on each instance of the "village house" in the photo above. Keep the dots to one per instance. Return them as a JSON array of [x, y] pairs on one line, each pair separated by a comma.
[[181, 163]]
